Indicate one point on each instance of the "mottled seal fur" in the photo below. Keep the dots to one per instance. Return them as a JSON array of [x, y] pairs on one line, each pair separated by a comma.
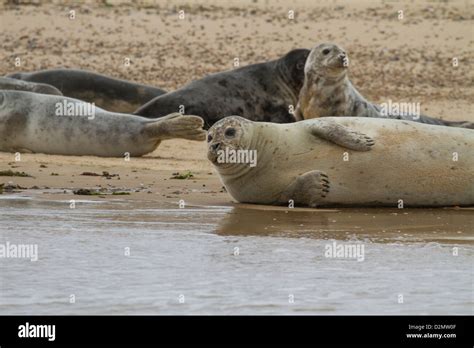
[[106, 92], [259, 92], [31, 122], [327, 91], [354, 161], [11, 84]]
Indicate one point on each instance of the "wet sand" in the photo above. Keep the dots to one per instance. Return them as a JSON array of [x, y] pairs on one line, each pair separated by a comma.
[[146, 178]]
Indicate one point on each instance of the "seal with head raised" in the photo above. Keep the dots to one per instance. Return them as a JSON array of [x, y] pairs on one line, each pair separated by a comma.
[[109, 93], [260, 92], [344, 161], [7, 83], [31, 122], [327, 91]]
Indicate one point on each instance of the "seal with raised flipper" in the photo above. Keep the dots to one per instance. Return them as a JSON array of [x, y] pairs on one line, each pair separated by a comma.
[[260, 92], [327, 91], [31, 122], [106, 92], [353, 161]]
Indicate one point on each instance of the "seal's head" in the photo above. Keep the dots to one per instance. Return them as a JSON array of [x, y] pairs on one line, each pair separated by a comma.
[[291, 66], [328, 60], [227, 135]]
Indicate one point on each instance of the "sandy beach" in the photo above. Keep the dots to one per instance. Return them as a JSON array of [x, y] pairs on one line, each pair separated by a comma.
[[402, 60]]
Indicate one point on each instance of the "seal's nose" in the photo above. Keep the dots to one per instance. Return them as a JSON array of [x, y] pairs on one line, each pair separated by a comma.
[[215, 146], [344, 60]]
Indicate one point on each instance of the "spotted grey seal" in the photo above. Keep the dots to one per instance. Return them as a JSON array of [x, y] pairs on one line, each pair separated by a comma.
[[327, 91], [260, 92], [109, 93], [345, 161], [31, 122]]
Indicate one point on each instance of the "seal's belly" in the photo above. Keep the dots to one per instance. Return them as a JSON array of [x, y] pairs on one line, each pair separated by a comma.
[[387, 178], [410, 164], [77, 135]]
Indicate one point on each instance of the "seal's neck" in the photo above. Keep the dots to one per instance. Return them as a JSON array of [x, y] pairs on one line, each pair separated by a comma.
[[323, 80], [287, 83]]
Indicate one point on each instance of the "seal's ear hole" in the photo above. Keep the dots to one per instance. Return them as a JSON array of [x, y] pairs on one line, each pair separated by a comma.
[[209, 138], [230, 132], [326, 51], [300, 65]]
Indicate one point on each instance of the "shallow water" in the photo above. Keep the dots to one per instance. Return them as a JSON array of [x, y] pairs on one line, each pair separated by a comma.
[[185, 261]]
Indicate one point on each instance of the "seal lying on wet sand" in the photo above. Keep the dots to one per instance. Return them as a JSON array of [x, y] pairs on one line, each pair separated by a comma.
[[107, 92], [345, 161], [327, 91], [10, 84], [260, 92], [31, 122]]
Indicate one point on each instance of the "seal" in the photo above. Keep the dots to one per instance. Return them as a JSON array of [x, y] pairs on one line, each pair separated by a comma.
[[106, 92], [259, 92], [354, 161], [31, 122], [327, 91], [7, 83]]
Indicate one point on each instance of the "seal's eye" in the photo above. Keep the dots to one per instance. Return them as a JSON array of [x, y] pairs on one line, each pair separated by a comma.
[[230, 132], [326, 51], [209, 138]]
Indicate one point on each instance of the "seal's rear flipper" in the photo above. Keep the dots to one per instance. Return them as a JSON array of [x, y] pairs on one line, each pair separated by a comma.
[[177, 125], [307, 189], [341, 135]]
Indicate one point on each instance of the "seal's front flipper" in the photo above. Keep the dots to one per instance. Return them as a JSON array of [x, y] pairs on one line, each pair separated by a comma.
[[307, 189], [177, 126], [341, 135]]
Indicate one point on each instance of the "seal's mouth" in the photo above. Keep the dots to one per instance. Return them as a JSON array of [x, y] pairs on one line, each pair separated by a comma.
[[214, 150], [218, 154], [212, 156]]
